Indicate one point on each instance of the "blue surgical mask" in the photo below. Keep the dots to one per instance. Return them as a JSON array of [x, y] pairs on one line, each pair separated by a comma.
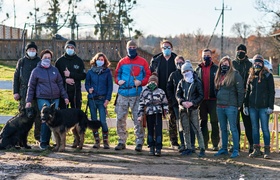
[[31, 54], [46, 63], [132, 53], [70, 52], [167, 52], [99, 63]]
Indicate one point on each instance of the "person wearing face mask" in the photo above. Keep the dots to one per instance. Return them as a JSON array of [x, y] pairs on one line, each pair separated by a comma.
[[163, 64], [171, 88], [230, 96], [242, 65], [46, 86], [132, 72], [259, 103], [206, 72], [189, 95], [22, 73], [153, 103], [99, 85], [72, 69]]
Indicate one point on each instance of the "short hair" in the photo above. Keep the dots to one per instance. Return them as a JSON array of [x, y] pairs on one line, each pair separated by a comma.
[[106, 61], [207, 50], [166, 41], [45, 52]]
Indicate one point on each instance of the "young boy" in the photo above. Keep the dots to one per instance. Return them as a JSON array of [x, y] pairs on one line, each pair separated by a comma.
[[153, 103], [189, 95]]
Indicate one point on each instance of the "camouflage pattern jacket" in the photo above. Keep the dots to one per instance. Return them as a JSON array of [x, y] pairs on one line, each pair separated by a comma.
[[152, 102]]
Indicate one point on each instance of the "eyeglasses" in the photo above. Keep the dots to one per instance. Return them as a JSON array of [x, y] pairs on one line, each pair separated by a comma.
[[166, 47]]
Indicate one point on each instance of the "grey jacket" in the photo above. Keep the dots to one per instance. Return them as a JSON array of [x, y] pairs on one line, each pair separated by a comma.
[[233, 94]]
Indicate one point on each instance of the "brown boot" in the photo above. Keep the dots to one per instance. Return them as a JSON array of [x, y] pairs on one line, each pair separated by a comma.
[[97, 139], [105, 140]]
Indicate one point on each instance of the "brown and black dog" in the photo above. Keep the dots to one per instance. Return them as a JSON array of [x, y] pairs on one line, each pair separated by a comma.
[[60, 121]]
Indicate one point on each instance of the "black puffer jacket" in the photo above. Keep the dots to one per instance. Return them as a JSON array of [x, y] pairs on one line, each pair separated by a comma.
[[172, 84], [190, 92], [261, 94], [76, 67], [232, 95]]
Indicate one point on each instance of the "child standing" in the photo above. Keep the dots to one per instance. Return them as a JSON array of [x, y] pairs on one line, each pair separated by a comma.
[[153, 103], [189, 95]]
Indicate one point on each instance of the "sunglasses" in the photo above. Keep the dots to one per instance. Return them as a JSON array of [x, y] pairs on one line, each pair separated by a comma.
[[166, 47]]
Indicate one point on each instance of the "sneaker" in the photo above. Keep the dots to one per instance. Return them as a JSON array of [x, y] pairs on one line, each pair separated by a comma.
[[120, 146], [187, 152], [158, 152], [221, 152], [175, 145], [215, 148], [234, 154], [181, 149], [152, 151], [138, 148], [43, 146], [201, 153]]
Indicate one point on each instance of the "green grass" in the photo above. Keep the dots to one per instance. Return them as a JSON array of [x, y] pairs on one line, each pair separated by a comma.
[[6, 72]]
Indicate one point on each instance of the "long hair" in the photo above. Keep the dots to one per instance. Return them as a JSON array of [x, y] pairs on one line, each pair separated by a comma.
[[252, 74], [229, 76], [96, 57]]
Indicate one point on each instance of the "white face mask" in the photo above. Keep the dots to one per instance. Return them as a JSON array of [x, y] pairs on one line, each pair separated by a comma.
[[188, 76], [31, 54], [70, 52]]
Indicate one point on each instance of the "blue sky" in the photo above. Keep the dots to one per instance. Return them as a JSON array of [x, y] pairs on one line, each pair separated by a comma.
[[166, 17]]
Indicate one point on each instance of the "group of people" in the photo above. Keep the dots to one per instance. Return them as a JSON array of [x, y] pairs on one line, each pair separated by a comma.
[[169, 87]]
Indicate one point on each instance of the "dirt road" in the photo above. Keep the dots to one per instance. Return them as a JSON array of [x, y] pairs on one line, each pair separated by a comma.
[[128, 164]]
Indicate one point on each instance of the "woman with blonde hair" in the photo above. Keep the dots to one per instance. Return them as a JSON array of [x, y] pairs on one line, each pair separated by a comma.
[[230, 95], [99, 85]]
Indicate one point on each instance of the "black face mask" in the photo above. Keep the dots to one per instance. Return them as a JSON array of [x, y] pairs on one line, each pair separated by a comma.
[[257, 69], [207, 60], [179, 65], [224, 69], [240, 55]]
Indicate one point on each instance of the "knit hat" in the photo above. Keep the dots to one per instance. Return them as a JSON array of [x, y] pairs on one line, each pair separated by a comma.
[[31, 45], [130, 43], [154, 78], [187, 66], [241, 47], [70, 43], [258, 58]]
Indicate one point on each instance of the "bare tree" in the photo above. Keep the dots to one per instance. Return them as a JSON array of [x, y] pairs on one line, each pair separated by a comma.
[[242, 30]]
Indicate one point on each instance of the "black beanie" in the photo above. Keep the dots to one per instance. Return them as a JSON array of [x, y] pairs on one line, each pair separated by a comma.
[[70, 43], [241, 47], [31, 45]]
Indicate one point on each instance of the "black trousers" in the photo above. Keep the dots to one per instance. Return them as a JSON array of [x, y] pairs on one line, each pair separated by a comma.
[[247, 125], [75, 100], [154, 124]]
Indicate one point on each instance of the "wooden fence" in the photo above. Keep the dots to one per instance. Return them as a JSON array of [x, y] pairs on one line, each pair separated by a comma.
[[12, 49]]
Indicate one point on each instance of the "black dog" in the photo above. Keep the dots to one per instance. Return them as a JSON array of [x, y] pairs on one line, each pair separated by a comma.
[[60, 121], [15, 131]]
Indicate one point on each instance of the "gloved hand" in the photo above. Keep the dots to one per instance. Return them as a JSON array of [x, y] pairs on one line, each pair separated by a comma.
[[269, 111], [246, 111], [121, 82], [137, 83]]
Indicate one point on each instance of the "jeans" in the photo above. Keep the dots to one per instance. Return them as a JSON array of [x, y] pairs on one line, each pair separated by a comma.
[[205, 108], [260, 115], [45, 133], [225, 115], [154, 124], [95, 105]]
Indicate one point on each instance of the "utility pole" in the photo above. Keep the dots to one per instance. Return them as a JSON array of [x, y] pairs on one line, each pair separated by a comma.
[[222, 36]]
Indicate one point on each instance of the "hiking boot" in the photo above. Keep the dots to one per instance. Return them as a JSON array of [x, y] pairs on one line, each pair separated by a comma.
[[201, 153], [221, 152], [120, 146], [175, 145], [138, 148], [256, 152], [105, 140], [97, 139], [234, 154], [251, 149], [187, 152], [215, 148], [158, 152], [96, 145], [152, 151], [43, 146], [181, 149], [266, 152]]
